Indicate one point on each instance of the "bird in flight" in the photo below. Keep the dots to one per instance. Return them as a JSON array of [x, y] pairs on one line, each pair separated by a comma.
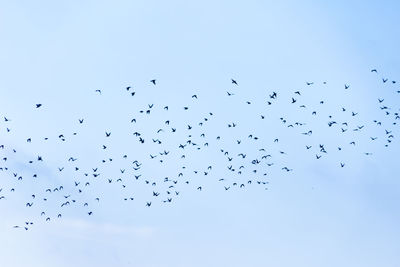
[[237, 162]]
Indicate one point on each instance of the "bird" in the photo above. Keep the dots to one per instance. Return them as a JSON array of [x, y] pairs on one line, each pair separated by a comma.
[[198, 131]]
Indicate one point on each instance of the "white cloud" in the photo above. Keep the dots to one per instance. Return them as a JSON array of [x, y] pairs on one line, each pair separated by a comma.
[[89, 227]]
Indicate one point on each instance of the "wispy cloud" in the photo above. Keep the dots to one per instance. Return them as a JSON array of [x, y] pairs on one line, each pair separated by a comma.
[[77, 225]]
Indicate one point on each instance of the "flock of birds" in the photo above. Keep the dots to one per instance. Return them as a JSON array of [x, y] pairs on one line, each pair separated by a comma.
[[243, 159]]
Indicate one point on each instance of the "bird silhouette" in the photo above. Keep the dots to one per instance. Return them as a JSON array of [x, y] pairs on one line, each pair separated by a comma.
[[243, 131]]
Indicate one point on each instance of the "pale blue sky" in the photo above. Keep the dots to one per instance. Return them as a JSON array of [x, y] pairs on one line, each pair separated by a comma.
[[58, 54]]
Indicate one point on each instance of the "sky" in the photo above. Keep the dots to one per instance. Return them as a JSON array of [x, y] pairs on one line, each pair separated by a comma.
[[319, 214]]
